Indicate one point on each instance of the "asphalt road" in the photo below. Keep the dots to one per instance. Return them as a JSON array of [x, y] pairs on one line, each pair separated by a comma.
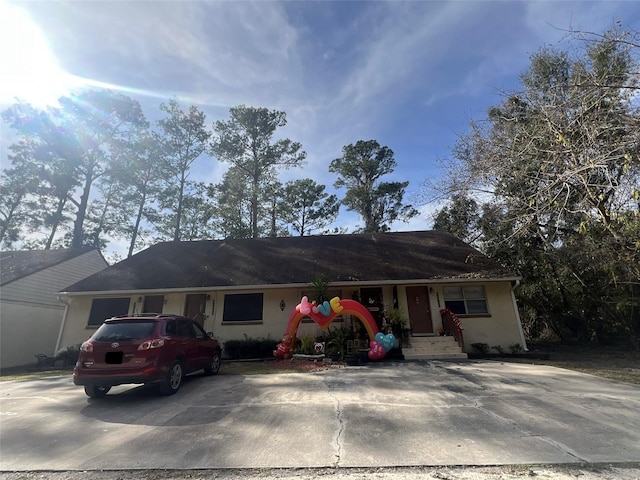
[[383, 415]]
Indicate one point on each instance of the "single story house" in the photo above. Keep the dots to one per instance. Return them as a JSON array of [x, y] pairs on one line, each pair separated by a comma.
[[30, 310], [249, 287]]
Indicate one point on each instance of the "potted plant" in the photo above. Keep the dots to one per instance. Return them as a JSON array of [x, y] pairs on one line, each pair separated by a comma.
[[320, 288], [336, 342], [398, 323]]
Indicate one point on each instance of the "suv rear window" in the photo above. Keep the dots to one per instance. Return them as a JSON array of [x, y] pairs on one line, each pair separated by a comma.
[[121, 331]]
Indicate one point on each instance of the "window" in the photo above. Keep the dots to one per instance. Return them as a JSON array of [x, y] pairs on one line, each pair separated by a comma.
[[184, 328], [199, 332], [179, 328], [243, 307], [103, 308], [466, 300], [153, 304], [124, 331]]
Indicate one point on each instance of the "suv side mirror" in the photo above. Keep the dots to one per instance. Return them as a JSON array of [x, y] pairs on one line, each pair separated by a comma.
[[210, 334]]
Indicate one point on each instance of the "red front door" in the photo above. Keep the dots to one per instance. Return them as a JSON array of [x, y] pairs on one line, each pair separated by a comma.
[[419, 310], [195, 307]]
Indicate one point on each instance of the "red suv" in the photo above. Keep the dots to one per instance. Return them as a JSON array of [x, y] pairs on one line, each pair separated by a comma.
[[147, 348]]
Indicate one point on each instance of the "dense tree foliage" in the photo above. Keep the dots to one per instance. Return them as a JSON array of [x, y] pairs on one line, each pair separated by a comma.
[[183, 138], [232, 217], [138, 175], [559, 162], [459, 218], [359, 170], [308, 208], [66, 151], [245, 141], [94, 170]]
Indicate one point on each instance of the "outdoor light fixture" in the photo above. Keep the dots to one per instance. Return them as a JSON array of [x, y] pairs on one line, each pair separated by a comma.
[[282, 305], [431, 290]]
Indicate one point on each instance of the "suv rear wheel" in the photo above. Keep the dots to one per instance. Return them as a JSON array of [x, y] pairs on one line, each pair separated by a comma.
[[214, 365], [96, 391], [172, 382]]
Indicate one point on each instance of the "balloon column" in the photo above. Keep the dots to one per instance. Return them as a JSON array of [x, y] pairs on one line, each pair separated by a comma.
[[323, 314], [285, 348]]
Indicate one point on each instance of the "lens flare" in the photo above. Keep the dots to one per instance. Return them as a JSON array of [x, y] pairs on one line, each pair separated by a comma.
[[28, 69]]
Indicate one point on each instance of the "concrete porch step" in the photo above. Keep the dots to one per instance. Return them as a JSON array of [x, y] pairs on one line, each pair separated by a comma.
[[424, 348], [434, 356]]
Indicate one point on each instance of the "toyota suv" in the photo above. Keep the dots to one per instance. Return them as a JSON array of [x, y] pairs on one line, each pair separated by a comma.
[[147, 349]]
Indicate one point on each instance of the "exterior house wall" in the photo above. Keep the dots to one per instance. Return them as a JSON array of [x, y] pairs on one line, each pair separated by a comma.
[[274, 322], [75, 329], [26, 331], [500, 327], [174, 303], [30, 312]]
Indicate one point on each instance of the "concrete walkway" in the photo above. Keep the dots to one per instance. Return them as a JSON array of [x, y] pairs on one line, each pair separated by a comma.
[[388, 414]]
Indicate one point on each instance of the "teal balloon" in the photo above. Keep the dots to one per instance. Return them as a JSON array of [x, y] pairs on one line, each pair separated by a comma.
[[324, 308], [387, 341]]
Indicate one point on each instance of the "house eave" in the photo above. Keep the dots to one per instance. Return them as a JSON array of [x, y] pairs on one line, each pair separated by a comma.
[[230, 288]]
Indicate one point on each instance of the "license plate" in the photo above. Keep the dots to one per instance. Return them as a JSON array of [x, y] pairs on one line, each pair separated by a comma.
[[113, 357]]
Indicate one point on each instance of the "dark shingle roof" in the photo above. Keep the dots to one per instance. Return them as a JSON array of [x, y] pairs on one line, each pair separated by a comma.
[[400, 256], [20, 263]]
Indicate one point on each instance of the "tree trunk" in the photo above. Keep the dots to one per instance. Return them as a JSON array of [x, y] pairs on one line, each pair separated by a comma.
[[57, 218], [78, 224], [177, 235], [136, 227]]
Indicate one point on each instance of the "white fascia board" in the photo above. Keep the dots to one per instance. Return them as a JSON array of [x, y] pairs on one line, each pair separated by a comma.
[[164, 291]]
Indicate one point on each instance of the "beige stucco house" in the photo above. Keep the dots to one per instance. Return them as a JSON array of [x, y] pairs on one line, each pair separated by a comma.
[[248, 287], [30, 310]]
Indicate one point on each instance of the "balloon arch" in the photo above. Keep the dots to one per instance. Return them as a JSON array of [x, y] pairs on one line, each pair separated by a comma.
[[323, 314]]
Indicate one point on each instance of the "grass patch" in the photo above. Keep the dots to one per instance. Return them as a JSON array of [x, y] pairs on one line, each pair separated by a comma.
[[616, 363]]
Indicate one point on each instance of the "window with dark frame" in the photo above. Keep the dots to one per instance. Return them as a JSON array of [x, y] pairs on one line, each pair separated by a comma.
[[243, 307], [103, 308], [466, 300]]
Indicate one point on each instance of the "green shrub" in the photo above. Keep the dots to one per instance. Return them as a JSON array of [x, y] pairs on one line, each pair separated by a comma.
[[481, 347], [516, 348], [335, 340], [250, 348], [68, 356], [307, 344], [398, 323]]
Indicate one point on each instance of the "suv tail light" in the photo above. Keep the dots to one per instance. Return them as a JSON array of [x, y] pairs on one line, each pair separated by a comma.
[[153, 343], [86, 347]]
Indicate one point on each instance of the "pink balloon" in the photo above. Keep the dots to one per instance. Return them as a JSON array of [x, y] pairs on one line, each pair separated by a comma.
[[304, 306], [376, 351]]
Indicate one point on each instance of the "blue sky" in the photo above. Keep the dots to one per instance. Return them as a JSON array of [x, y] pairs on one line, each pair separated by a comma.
[[409, 74]]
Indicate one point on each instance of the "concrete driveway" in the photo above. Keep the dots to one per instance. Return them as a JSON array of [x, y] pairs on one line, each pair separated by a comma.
[[389, 414]]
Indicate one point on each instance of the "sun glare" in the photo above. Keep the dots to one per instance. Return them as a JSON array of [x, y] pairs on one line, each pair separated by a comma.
[[28, 68]]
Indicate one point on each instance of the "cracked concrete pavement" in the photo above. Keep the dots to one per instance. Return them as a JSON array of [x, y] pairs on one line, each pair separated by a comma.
[[396, 414]]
